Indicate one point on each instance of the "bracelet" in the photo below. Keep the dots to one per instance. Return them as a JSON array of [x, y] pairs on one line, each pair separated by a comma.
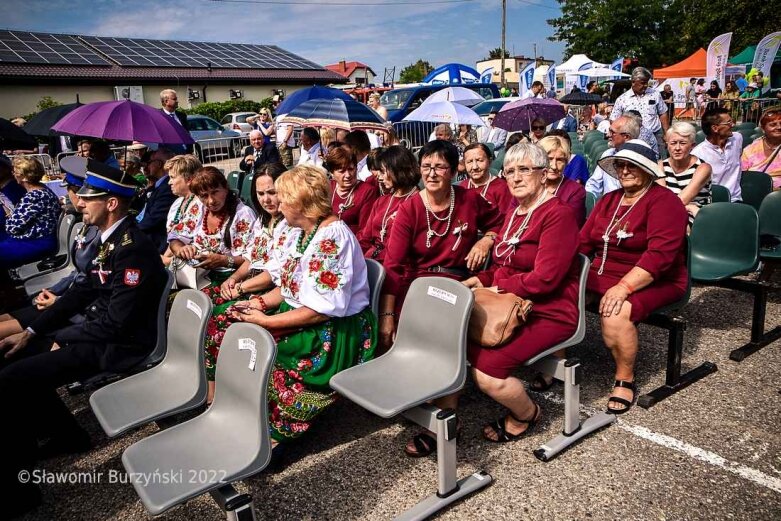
[[388, 314], [231, 261], [239, 289], [263, 306], [626, 285], [491, 236]]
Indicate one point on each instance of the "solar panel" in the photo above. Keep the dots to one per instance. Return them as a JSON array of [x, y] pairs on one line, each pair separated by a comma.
[[44, 48], [173, 53]]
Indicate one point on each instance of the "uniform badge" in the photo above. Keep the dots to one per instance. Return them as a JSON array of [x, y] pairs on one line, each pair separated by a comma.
[[126, 240], [132, 277]]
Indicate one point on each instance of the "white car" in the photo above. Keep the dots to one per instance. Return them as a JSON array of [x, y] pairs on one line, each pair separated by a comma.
[[238, 121], [212, 138]]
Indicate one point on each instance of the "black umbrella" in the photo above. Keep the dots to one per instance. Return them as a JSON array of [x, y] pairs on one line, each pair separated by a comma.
[[581, 98], [41, 123], [14, 138]]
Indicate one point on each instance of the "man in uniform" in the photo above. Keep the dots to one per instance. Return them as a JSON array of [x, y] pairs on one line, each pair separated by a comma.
[[119, 300]]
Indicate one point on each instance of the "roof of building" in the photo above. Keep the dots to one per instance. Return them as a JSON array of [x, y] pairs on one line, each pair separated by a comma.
[[75, 58], [345, 69]]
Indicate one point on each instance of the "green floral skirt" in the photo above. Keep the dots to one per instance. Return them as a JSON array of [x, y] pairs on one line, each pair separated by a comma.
[[306, 361]]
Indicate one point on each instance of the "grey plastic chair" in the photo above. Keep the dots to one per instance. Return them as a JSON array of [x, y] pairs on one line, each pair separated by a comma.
[[568, 371], [229, 442], [36, 283], [376, 275], [427, 361], [178, 384], [64, 240]]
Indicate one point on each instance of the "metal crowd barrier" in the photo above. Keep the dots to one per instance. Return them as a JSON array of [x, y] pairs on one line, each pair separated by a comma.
[[742, 109], [224, 153], [413, 134], [45, 159]]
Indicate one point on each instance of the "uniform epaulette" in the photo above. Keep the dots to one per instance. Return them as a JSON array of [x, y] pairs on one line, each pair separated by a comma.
[[126, 239]]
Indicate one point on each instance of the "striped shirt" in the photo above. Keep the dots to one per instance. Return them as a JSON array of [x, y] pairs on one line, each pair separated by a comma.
[[677, 182]]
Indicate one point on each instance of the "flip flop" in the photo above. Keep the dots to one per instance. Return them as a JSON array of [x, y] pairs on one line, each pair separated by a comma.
[[500, 427]]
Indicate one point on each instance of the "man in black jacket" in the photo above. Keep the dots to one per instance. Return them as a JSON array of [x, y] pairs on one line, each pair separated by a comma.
[[170, 103], [159, 198], [119, 301], [258, 153]]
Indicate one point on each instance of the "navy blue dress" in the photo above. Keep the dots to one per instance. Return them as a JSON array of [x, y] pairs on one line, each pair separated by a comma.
[[31, 229]]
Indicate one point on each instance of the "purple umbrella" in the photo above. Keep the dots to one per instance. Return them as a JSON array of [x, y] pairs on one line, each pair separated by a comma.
[[518, 115], [123, 121]]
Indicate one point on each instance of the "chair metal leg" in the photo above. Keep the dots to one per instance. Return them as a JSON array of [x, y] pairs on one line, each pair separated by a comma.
[[449, 488], [569, 371], [674, 380], [759, 338], [237, 507]]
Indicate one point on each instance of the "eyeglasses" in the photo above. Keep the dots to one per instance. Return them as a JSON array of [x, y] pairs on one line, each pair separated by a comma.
[[264, 113], [521, 171], [439, 169], [621, 165], [729, 123], [538, 127]]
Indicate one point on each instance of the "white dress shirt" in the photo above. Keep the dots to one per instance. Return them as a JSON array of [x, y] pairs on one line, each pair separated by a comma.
[[600, 181], [724, 163]]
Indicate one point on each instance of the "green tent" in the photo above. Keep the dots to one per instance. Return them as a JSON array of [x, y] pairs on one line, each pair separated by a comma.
[[744, 57]]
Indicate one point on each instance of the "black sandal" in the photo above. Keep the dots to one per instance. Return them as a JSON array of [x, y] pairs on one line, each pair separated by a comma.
[[539, 384], [500, 426], [622, 401], [425, 445]]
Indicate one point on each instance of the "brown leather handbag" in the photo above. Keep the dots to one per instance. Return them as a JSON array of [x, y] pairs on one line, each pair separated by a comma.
[[496, 316]]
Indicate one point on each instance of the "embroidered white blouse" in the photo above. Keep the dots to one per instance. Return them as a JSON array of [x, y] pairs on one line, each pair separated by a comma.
[[182, 224], [240, 234]]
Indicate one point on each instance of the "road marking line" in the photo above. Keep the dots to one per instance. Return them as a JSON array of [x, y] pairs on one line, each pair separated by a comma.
[[711, 458]]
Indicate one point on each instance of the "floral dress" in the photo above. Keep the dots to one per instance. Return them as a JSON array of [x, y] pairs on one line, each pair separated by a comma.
[[258, 254], [327, 274], [184, 218]]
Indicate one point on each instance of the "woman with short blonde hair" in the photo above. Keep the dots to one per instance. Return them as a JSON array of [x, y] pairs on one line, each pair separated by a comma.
[[186, 212], [319, 311], [688, 176], [569, 191]]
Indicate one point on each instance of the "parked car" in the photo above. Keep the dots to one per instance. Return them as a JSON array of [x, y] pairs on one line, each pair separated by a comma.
[[400, 102], [238, 121], [488, 106], [212, 138]]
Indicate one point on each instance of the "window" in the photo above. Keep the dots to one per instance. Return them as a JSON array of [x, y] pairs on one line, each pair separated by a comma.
[[210, 124], [226, 120]]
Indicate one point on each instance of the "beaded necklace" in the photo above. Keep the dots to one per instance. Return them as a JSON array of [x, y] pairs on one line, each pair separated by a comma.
[[182, 210], [431, 233], [512, 241], [205, 225], [485, 185], [386, 218], [303, 243], [348, 201], [556, 191], [622, 233]]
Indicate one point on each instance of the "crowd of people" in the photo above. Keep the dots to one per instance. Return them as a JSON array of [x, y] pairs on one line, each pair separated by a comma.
[[292, 258]]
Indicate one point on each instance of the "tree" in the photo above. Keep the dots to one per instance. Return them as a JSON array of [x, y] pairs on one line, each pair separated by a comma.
[[496, 54], [415, 72]]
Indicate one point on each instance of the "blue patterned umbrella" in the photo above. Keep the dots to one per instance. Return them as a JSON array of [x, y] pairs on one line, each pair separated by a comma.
[[335, 113], [314, 92]]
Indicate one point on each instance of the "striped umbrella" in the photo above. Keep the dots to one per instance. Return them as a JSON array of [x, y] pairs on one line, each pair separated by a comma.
[[335, 113]]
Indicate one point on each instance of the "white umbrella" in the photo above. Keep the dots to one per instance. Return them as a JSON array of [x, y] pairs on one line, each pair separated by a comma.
[[459, 95], [602, 72], [446, 112]]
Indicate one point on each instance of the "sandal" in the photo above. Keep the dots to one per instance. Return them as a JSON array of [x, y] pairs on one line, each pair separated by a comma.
[[540, 384], [622, 401], [425, 445], [500, 427]]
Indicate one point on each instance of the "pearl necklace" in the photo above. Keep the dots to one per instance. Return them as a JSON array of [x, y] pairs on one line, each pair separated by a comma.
[[348, 201], [472, 184], [514, 239], [386, 218], [431, 233], [556, 191], [620, 234]]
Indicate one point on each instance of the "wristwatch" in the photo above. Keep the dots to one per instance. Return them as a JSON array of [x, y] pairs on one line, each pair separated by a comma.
[[231, 261]]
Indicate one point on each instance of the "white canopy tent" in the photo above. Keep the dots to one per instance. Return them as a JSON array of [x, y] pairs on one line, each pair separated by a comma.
[[569, 70]]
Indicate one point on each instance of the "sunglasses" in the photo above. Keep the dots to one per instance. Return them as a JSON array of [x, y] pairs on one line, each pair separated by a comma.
[[538, 128]]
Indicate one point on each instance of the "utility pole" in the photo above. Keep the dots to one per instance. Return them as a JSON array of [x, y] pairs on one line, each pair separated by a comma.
[[504, 26]]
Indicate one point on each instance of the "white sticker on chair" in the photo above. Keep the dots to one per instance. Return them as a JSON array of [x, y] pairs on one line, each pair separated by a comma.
[[195, 308], [441, 294], [247, 344]]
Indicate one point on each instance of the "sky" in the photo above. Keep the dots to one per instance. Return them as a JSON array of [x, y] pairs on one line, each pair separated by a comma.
[[395, 33]]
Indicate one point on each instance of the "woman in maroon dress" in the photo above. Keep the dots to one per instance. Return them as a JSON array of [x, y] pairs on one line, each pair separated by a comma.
[[570, 192], [435, 233], [477, 159], [398, 175], [637, 236], [351, 199], [535, 257]]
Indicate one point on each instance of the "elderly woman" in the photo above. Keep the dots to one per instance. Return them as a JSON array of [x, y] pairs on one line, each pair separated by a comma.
[[569, 191], [435, 233], [186, 213], [763, 154], [225, 229], [249, 278], [351, 199], [31, 228], [399, 176], [534, 258], [319, 312], [685, 174], [537, 130], [637, 236], [477, 159]]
